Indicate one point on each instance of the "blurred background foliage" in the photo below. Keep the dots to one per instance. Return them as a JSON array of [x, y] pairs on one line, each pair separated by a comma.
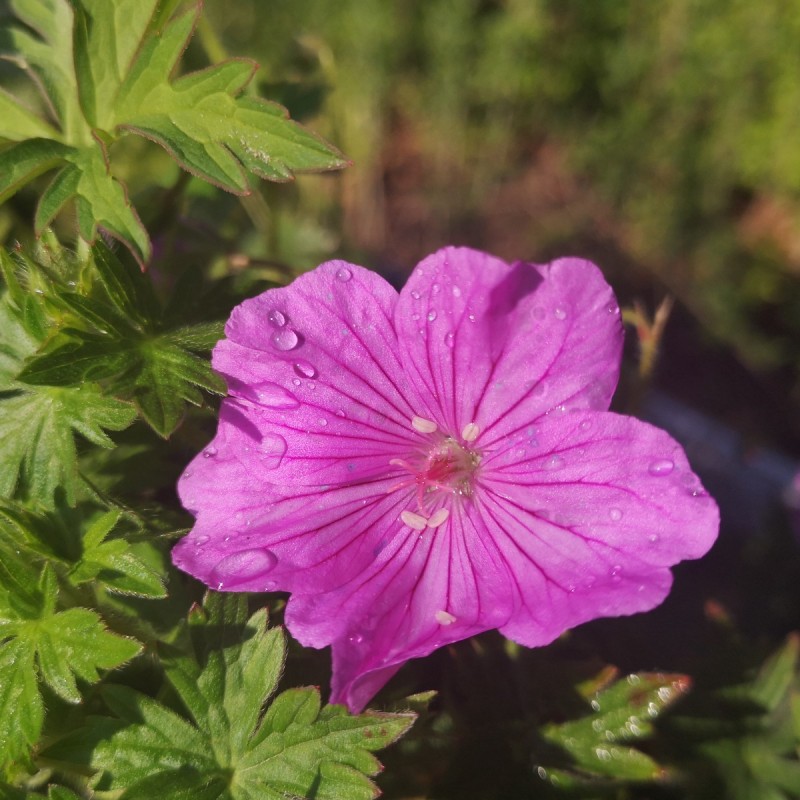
[[658, 139]]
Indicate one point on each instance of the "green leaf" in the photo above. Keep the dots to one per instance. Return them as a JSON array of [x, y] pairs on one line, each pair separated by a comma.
[[17, 122], [105, 70], [101, 201], [21, 163], [48, 57], [227, 749], [21, 707], [37, 447], [600, 744], [165, 384], [114, 562], [73, 643]]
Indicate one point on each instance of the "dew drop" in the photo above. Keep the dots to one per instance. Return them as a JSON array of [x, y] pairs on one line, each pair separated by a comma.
[[415, 317], [615, 573], [560, 313], [271, 450], [200, 540], [661, 467], [284, 339], [554, 463], [355, 638], [415, 294], [343, 275], [242, 567], [586, 424], [305, 369], [612, 308], [276, 318], [340, 413], [450, 339], [431, 316], [436, 288], [322, 421], [312, 385], [210, 451], [615, 514], [273, 396], [456, 291], [296, 381], [652, 538], [471, 317]]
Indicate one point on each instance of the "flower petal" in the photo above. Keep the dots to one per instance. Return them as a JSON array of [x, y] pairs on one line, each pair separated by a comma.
[[429, 590], [316, 369], [499, 345], [590, 510]]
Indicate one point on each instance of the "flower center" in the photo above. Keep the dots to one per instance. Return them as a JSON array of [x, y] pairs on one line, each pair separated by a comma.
[[444, 467]]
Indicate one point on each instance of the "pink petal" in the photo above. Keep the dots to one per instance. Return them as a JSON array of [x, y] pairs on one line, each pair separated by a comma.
[[590, 510], [429, 590], [316, 369], [499, 345]]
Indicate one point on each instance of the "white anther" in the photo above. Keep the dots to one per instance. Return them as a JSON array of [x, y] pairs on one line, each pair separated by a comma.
[[423, 425], [415, 521], [470, 432], [444, 618], [438, 517]]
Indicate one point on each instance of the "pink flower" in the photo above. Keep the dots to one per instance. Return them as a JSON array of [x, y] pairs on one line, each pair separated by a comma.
[[419, 468]]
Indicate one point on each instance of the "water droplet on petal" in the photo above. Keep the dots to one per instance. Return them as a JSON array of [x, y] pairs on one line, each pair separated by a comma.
[[661, 467], [322, 421], [615, 573], [456, 291], [305, 369], [415, 294], [271, 450], [435, 289], [615, 514], [450, 339], [652, 538], [200, 540], [355, 638], [560, 313], [471, 317], [242, 567], [274, 396], [284, 339], [210, 451], [431, 316], [296, 381], [612, 308], [343, 275], [554, 463], [586, 424], [340, 413], [276, 318]]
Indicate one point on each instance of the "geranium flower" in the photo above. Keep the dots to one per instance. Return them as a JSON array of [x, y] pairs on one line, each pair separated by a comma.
[[419, 468]]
